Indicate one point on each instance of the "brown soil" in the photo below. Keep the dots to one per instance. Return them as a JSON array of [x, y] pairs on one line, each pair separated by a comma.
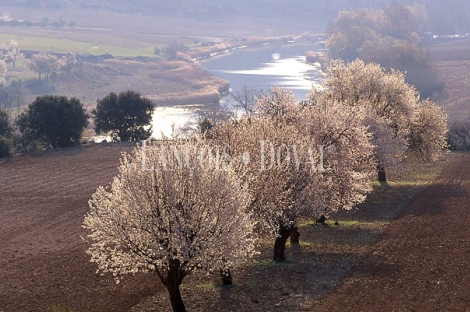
[[421, 264], [43, 199], [418, 264]]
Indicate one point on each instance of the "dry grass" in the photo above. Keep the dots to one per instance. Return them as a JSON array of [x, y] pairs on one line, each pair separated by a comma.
[[167, 83]]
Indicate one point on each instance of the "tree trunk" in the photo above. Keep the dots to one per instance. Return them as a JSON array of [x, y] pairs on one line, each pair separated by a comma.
[[280, 243], [321, 220], [226, 276], [294, 236], [381, 173], [172, 283]]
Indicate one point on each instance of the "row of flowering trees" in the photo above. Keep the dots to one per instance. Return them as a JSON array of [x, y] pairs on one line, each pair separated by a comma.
[[47, 64], [179, 206], [41, 63]]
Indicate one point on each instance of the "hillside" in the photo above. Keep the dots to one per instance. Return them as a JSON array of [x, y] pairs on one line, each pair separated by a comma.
[[451, 59], [445, 16]]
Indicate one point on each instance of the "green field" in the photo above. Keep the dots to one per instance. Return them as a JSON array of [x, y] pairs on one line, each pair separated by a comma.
[[66, 45]]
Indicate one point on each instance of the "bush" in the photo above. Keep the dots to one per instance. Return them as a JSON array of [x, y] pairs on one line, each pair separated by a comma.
[[458, 136], [5, 129], [6, 147]]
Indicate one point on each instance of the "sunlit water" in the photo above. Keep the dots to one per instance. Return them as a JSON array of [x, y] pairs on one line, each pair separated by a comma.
[[258, 69], [292, 73], [168, 121]]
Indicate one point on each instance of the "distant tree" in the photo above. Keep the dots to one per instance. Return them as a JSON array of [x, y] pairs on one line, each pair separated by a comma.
[[245, 98], [67, 62], [345, 44], [208, 117], [172, 50], [3, 70], [11, 53], [44, 22], [170, 211], [59, 24], [54, 120], [396, 116], [459, 134], [6, 133], [27, 23], [388, 36], [397, 20], [6, 147], [405, 22], [127, 116], [44, 63], [12, 95], [6, 129]]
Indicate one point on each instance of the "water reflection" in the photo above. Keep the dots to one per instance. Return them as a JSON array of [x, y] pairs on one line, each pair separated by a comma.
[[261, 68], [168, 119], [292, 73]]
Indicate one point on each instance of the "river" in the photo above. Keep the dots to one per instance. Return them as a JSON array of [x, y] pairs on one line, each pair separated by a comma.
[[258, 68]]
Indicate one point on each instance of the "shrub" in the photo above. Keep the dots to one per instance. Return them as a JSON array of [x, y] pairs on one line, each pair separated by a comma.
[[5, 129], [6, 147], [458, 136]]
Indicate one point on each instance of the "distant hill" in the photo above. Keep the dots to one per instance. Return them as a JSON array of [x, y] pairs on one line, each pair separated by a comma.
[[207, 8], [446, 16]]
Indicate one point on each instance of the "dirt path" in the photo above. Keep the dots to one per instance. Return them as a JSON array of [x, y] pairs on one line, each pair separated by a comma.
[[421, 264], [43, 199]]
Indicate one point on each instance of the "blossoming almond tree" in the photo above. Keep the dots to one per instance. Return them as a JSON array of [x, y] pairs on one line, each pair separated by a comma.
[[394, 109], [310, 161], [277, 169], [344, 142], [347, 153], [170, 211], [12, 53], [428, 131]]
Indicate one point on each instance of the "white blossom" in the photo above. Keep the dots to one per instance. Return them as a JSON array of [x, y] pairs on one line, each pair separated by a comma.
[[169, 221]]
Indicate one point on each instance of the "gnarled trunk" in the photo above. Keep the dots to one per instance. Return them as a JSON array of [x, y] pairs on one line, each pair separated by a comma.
[[226, 276], [294, 236], [381, 177], [280, 243], [172, 283]]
